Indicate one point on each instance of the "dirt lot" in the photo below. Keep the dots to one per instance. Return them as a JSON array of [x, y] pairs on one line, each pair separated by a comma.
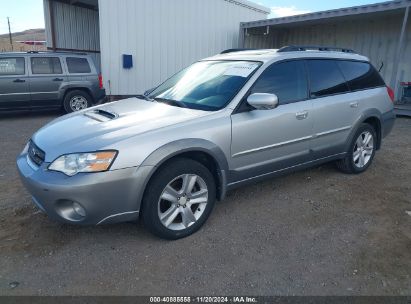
[[316, 232]]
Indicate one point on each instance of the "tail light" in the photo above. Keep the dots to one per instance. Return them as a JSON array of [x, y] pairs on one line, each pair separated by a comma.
[[391, 93], [100, 81]]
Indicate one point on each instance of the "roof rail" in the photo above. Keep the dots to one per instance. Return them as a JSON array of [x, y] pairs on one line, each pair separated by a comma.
[[56, 52], [236, 50], [294, 48]]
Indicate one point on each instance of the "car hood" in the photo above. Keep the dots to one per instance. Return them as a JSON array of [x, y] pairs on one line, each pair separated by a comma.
[[101, 127]]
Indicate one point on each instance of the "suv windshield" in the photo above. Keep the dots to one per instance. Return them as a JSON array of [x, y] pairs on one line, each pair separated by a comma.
[[205, 85]]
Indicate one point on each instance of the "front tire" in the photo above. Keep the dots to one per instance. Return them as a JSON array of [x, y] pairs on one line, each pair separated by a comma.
[[179, 199], [361, 152], [76, 101]]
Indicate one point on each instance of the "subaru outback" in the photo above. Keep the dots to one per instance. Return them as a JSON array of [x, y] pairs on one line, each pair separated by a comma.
[[221, 123]]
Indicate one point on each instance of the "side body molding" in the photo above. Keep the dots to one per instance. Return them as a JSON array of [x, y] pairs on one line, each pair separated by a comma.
[[168, 151]]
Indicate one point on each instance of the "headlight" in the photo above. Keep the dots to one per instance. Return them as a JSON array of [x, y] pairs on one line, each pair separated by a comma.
[[71, 164]]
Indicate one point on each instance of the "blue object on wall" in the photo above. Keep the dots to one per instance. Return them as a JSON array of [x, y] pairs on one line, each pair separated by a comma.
[[127, 61]]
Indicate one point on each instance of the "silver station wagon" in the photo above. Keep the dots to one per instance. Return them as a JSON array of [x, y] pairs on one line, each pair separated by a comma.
[[223, 122]]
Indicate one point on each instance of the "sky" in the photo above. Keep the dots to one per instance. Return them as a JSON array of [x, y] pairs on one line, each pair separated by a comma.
[[28, 14], [24, 14]]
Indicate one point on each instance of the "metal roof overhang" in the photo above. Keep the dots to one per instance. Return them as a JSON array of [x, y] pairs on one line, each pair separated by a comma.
[[325, 16], [90, 4], [93, 4]]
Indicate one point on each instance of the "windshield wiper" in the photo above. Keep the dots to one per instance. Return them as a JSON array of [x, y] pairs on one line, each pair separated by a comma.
[[177, 103], [144, 97]]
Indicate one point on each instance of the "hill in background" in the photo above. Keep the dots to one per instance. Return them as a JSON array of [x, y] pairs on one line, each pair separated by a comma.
[[32, 34]]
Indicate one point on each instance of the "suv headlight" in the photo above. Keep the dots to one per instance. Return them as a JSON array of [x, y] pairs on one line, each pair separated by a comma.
[[71, 164]]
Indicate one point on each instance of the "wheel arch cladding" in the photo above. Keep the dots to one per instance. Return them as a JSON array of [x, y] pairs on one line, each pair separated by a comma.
[[376, 124], [203, 151], [371, 117], [83, 89]]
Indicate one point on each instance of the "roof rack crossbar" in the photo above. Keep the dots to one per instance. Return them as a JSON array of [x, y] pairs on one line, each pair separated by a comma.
[[295, 48]]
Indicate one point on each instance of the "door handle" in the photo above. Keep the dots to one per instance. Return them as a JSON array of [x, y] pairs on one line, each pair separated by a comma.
[[58, 79], [354, 105], [301, 115], [19, 80]]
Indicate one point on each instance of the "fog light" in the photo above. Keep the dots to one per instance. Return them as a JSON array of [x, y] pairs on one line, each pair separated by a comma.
[[71, 211], [79, 209]]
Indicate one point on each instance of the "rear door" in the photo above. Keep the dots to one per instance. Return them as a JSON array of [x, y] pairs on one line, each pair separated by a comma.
[[335, 108], [265, 141], [14, 85], [46, 80]]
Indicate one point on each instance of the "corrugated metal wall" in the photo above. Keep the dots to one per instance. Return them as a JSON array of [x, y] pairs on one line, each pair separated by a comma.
[[164, 36], [75, 28], [376, 37]]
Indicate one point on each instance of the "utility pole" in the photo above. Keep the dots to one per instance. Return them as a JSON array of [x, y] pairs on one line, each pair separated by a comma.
[[11, 39]]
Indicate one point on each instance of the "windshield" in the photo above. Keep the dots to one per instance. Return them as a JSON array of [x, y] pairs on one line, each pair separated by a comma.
[[205, 85]]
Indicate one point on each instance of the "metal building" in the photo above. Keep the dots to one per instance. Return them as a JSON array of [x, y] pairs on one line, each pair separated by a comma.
[[380, 31], [162, 36]]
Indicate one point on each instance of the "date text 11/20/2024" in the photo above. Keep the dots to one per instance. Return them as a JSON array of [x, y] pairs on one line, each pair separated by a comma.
[[203, 300]]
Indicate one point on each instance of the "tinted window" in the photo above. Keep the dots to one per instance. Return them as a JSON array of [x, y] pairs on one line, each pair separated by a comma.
[[12, 66], [78, 65], [325, 78], [360, 75], [286, 79], [46, 65]]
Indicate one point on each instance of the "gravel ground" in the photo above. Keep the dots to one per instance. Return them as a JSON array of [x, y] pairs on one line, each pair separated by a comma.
[[315, 232]]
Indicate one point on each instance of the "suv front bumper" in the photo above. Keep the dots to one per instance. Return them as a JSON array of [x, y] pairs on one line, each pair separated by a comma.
[[86, 198]]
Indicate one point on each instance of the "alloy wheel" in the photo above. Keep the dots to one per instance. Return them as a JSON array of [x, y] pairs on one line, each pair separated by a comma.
[[78, 103], [182, 202], [363, 149]]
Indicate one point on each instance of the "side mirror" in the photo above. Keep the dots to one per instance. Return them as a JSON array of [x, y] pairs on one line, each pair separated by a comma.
[[263, 101]]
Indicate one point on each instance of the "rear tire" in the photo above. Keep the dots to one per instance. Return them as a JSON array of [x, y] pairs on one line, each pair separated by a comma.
[[76, 100], [178, 199], [361, 151]]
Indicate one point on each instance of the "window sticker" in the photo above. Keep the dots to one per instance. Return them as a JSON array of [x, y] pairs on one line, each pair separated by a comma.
[[243, 70], [8, 66]]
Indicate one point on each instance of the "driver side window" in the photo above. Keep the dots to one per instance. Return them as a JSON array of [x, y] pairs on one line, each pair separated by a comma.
[[287, 80]]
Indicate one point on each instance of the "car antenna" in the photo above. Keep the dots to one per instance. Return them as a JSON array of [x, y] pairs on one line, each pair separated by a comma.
[[381, 66]]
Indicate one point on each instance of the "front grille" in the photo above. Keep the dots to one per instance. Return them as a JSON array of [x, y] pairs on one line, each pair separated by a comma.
[[36, 155]]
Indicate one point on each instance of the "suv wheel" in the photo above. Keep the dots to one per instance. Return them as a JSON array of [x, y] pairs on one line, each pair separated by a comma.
[[76, 101], [178, 199], [362, 151]]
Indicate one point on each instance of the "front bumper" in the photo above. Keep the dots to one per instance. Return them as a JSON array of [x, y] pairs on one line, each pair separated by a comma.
[[106, 197]]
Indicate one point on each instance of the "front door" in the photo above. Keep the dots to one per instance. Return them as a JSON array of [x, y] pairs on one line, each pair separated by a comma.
[[46, 80], [14, 83], [265, 141]]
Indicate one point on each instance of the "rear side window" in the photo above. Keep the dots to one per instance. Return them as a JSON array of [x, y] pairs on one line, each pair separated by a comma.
[[326, 78], [360, 75], [12, 66], [285, 79], [77, 65], [46, 65]]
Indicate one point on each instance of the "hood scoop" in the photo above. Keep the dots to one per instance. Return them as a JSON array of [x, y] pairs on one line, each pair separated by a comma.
[[101, 115]]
